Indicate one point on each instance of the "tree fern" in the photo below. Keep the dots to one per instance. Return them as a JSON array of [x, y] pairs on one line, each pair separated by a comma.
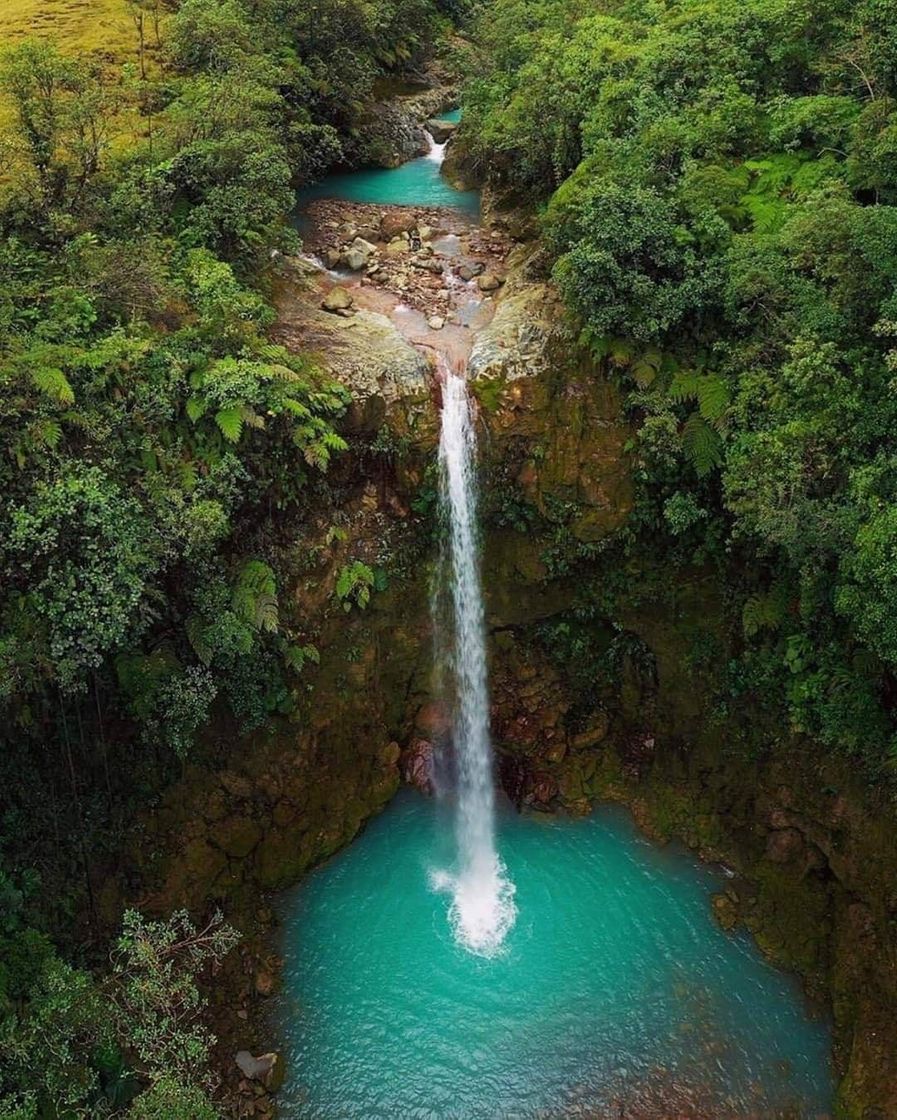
[[713, 397], [701, 444]]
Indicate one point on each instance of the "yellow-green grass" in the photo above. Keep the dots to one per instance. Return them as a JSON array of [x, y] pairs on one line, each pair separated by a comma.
[[101, 31]]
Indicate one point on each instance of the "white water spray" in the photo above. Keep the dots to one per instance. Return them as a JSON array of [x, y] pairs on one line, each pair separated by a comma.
[[437, 151], [483, 908]]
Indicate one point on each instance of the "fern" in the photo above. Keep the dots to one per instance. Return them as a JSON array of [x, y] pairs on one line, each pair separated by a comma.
[[713, 397], [295, 657], [684, 386], [645, 368], [354, 584], [254, 596], [764, 611], [196, 635], [701, 444], [230, 423], [53, 383], [196, 408]]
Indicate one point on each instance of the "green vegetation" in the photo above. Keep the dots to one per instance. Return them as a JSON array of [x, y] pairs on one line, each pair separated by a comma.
[[154, 447], [717, 187]]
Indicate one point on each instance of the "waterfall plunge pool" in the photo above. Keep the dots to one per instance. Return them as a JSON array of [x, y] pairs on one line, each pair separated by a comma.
[[615, 996]]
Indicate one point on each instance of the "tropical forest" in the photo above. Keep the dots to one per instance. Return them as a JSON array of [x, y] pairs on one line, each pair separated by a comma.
[[448, 559]]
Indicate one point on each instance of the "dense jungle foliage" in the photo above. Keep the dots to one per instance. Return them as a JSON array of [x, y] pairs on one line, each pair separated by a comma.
[[717, 185], [148, 428]]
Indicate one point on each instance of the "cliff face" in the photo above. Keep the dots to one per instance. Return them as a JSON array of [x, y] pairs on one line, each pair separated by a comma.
[[598, 686]]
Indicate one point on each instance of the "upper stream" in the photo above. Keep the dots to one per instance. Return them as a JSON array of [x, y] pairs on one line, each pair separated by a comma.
[[597, 986], [418, 182]]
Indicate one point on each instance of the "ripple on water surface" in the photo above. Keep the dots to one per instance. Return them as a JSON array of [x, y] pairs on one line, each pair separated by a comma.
[[616, 994]]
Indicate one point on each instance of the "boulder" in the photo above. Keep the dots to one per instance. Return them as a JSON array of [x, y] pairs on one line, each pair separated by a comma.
[[367, 248], [784, 845], [267, 1069], [332, 257], [725, 910], [489, 282], [265, 982], [471, 271], [354, 259], [337, 299], [425, 233], [396, 222], [441, 130], [436, 322]]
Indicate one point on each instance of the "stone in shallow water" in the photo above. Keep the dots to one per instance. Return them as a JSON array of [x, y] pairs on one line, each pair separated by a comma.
[[436, 322], [489, 282]]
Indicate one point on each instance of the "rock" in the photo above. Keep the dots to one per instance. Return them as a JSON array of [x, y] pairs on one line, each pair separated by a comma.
[[332, 257], [425, 233], [489, 282], [235, 784], [725, 910], [441, 130], [236, 836], [433, 720], [337, 299], [395, 222], [428, 265], [784, 845], [365, 247], [436, 322], [354, 259], [398, 245], [265, 982], [267, 1069], [542, 788], [593, 734], [471, 271], [417, 765]]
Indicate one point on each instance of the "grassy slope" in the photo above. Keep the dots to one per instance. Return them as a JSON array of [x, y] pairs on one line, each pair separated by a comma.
[[101, 30], [98, 27]]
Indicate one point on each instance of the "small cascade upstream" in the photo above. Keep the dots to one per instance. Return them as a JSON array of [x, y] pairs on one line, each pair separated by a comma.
[[436, 152], [483, 908]]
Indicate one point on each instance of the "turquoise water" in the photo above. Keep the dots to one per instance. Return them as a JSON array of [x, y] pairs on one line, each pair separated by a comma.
[[416, 183], [616, 996]]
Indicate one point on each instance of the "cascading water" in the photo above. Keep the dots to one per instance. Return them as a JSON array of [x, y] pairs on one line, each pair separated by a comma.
[[436, 152], [483, 908]]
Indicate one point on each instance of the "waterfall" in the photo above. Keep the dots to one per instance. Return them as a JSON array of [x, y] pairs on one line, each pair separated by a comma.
[[437, 151], [482, 909]]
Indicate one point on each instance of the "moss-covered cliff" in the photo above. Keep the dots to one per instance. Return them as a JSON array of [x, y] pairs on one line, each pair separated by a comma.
[[604, 673]]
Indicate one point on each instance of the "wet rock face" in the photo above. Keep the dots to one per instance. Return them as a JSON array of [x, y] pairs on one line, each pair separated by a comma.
[[396, 130]]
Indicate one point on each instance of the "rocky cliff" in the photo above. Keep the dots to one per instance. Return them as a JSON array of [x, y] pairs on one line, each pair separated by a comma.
[[601, 683]]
